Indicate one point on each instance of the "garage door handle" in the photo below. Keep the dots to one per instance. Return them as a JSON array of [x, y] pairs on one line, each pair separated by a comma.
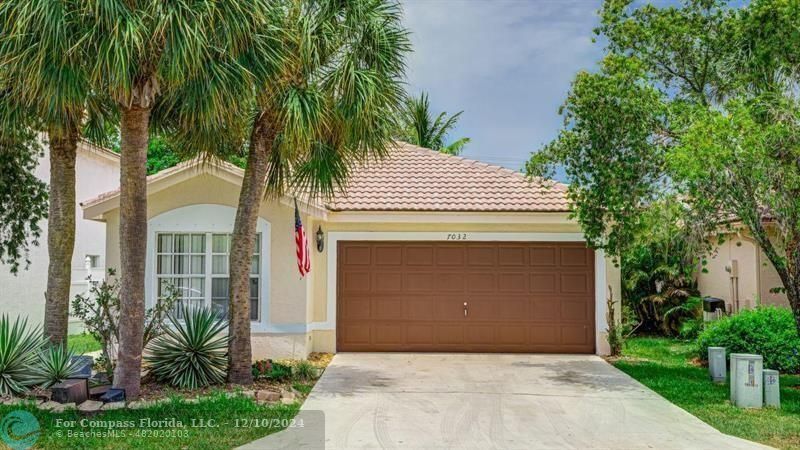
[[465, 309]]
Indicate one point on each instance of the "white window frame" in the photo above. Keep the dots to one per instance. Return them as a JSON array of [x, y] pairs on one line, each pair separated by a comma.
[[206, 219]]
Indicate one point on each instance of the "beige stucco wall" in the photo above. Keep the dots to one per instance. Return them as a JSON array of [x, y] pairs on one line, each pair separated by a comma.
[[300, 305], [96, 171], [757, 275]]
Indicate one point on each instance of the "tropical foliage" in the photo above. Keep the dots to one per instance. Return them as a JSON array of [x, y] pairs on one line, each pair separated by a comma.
[[23, 197], [19, 345], [768, 331], [326, 104], [99, 309], [658, 270], [697, 100], [54, 364], [418, 126], [190, 353]]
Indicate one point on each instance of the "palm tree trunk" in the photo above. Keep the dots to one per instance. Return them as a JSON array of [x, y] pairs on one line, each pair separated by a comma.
[[134, 127], [60, 231], [242, 243]]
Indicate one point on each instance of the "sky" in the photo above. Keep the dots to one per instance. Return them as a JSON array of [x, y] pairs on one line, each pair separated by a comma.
[[507, 64]]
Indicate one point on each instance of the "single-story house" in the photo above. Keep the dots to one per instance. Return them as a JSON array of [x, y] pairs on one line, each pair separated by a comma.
[[739, 272], [96, 171], [425, 252]]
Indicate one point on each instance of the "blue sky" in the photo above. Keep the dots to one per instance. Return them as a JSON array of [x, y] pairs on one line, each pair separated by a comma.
[[507, 63]]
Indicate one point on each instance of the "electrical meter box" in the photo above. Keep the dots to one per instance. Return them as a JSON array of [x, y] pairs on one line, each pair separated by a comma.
[[748, 381], [772, 388], [717, 365]]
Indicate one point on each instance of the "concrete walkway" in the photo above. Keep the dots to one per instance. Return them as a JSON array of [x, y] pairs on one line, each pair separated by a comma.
[[401, 400]]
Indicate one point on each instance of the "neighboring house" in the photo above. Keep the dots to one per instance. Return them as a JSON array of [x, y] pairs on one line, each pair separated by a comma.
[[96, 171], [425, 252], [738, 272]]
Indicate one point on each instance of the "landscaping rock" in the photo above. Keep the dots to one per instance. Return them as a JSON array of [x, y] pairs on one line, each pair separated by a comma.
[[10, 401], [140, 404], [191, 400], [250, 394], [63, 407], [90, 407], [287, 401], [97, 391], [70, 391], [112, 406], [268, 396], [48, 405], [288, 395]]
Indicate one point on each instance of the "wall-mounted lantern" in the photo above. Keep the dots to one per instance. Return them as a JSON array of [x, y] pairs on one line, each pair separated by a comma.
[[320, 239]]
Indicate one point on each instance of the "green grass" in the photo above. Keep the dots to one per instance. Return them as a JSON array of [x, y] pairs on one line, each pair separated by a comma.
[[82, 343], [665, 366], [218, 410]]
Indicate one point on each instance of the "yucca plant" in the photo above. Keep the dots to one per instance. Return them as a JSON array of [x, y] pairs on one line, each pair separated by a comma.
[[18, 349], [54, 364], [191, 352]]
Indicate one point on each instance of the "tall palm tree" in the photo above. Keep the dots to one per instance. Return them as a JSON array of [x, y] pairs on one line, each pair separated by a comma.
[[330, 104], [46, 79], [144, 50], [419, 127]]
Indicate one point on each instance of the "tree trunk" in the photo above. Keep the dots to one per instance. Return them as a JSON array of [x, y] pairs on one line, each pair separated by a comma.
[[241, 255], [134, 127], [60, 232]]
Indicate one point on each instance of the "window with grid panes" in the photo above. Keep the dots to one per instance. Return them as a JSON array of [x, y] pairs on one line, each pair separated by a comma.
[[197, 265]]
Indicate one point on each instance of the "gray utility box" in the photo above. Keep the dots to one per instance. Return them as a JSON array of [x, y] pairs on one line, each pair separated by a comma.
[[772, 388], [747, 379], [717, 365]]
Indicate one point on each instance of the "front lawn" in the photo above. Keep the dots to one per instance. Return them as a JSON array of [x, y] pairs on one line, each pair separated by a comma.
[[83, 343], [214, 422], [664, 365]]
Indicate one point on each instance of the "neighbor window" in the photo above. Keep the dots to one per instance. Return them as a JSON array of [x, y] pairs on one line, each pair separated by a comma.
[[94, 261], [196, 264]]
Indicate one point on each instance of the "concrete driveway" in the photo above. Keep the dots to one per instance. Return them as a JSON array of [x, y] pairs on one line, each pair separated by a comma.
[[402, 400]]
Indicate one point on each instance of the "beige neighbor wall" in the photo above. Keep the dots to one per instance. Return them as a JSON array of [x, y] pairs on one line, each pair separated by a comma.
[[288, 292], [757, 275], [325, 340]]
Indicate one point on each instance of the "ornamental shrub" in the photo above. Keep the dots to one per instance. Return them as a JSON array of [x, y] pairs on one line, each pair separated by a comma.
[[766, 331]]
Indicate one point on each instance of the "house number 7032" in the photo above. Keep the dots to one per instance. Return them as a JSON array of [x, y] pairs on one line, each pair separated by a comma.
[[456, 236]]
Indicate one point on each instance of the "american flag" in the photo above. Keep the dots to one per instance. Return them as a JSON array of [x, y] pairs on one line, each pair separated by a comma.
[[301, 244]]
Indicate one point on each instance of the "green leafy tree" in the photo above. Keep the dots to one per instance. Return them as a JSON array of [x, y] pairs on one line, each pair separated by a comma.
[[699, 101], [23, 197], [419, 127]]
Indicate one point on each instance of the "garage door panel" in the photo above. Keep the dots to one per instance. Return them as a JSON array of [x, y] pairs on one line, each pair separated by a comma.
[[511, 256], [418, 281], [356, 282], [449, 334], [481, 255], [450, 282], [521, 297], [543, 255], [512, 282], [450, 256], [481, 282], [388, 282], [575, 283], [357, 308], [574, 256], [544, 283], [388, 255], [419, 255]]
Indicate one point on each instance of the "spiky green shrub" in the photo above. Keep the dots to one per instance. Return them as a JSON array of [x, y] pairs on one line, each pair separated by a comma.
[[18, 349], [192, 351], [54, 364], [304, 370]]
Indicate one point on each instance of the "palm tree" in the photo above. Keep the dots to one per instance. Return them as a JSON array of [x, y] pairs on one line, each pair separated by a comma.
[[142, 52], [419, 127], [329, 104], [46, 80]]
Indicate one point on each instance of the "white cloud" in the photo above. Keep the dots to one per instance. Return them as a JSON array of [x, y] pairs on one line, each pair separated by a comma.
[[507, 64]]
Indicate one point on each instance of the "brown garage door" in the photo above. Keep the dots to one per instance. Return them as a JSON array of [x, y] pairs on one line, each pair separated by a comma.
[[465, 297]]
